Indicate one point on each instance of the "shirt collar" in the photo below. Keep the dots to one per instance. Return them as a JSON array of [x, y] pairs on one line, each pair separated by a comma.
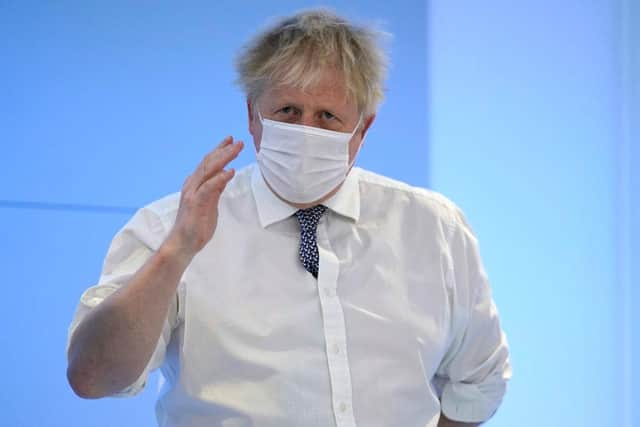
[[271, 209]]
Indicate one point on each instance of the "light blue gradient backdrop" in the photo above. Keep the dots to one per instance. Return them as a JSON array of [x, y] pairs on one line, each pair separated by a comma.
[[527, 116], [533, 132]]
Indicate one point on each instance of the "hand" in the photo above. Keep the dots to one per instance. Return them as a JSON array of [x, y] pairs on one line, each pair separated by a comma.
[[197, 216]]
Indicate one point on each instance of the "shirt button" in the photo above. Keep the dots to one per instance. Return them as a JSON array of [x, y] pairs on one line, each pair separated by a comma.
[[335, 348], [342, 407], [328, 292]]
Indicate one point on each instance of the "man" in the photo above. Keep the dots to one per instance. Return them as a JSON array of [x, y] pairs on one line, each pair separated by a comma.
[[299, 291]]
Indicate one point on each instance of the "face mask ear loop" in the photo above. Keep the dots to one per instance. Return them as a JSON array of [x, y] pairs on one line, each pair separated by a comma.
[[262, 123], [353, 132], [355, 156]]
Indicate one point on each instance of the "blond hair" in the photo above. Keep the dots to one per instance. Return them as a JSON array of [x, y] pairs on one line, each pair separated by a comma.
[[299, 48]]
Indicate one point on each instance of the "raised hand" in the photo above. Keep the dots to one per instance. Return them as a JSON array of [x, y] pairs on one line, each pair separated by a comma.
[[197, 216]]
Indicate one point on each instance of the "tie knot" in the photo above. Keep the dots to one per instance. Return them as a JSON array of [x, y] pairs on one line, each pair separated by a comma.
[[309, 218]]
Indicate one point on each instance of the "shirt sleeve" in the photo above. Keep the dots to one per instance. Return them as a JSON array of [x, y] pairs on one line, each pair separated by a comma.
[[132, 246], [476, 367]]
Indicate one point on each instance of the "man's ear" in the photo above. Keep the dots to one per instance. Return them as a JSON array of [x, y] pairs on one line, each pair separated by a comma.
[[368, 121]]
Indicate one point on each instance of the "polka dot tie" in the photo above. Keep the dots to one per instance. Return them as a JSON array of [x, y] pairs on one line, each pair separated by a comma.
[[308, 219]]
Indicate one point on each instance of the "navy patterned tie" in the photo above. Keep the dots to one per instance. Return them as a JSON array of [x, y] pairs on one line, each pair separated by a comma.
[[308, 219]]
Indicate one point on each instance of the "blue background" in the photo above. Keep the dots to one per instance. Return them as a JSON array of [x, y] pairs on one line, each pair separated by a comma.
[[526, 114]]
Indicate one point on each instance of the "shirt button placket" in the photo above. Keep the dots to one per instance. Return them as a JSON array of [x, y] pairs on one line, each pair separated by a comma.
[[336, 349], [334, 333]]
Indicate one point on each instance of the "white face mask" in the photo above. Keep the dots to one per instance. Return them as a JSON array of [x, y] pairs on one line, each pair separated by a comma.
[[301, 163]]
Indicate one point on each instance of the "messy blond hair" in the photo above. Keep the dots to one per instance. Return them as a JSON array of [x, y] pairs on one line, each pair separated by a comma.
[[297, 49]]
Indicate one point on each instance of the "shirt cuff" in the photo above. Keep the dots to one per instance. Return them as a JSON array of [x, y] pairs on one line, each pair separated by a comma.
[[471, 403]]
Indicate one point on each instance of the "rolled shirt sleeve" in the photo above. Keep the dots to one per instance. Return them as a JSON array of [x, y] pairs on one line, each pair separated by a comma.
[[476, 367], [132, 246]]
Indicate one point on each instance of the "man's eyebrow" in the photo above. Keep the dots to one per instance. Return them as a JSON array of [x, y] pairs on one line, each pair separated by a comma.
[[286, 101], [317, 107]]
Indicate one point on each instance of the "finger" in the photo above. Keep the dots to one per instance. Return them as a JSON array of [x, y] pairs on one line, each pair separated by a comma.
[[198, 175], [202, 167], [219, 159], [186, 184], [226, 141], [214, 186]]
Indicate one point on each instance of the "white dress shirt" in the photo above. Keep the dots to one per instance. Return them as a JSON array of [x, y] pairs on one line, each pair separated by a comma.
[[399, 325]]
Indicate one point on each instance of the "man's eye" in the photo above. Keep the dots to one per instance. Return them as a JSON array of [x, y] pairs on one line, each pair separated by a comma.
[[287, 110], [327, 115]]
